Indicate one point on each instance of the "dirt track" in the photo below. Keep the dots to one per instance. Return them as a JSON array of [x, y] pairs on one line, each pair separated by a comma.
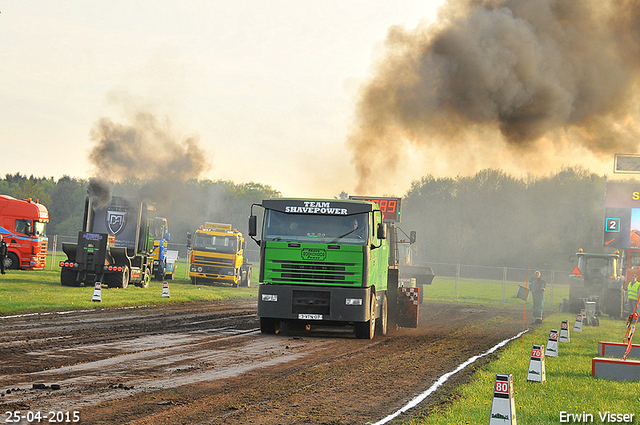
[[207, 363]]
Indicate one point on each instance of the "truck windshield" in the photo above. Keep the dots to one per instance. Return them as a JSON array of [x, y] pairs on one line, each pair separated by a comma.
[[634, 259], [224, 244], [594, 267], [159, 228], [345, 229], [31, 228], [40, 228]]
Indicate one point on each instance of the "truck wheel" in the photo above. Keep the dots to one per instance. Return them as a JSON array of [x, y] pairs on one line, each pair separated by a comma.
[[118, 279], [125, 278], [268, 325], [366, 330], [575, 305], [145, 279], [68, 277], [11, 262], [160, 274], [382, 323], [613, 302]]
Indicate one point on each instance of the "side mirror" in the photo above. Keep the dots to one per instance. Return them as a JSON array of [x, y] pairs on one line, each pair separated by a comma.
[[253, 225], [188, 240], [382, 231], [167, 236], [412, 237]]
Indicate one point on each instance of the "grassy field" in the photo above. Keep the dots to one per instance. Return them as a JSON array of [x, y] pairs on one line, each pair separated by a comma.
[[569, 388], [444, 288], [25, 291], [31, 291]]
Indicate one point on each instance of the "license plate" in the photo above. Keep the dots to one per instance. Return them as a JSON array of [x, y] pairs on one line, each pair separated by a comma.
[[310, 316]]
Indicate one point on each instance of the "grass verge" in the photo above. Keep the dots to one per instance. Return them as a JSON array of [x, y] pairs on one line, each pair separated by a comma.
[[26, 291], [444, 288], [570, 387]]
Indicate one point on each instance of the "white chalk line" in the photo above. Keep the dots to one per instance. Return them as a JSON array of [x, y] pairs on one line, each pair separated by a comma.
[[51, 313], [420, 398]]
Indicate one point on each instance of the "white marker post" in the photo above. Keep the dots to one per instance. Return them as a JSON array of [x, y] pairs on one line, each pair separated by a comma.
[[503, 407], [165, 289], [537, 372], [564, 331], [577, 326], [97, 293], [552, 344]]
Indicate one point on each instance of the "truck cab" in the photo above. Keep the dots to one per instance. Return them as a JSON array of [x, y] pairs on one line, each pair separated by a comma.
[[23, 226], [322, 262], [217, 255]]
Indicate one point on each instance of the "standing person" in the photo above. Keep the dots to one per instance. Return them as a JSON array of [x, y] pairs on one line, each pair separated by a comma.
[[632, 293], [3, 253], [537, 288]]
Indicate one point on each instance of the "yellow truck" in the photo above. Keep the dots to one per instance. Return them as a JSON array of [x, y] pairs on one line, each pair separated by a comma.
[[217, 255]]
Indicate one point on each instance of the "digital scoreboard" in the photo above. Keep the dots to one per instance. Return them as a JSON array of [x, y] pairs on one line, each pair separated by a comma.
[[390, 207]]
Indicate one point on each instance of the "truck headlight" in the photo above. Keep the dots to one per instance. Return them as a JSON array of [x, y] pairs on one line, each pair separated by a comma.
[[353, 301], [270, 297]]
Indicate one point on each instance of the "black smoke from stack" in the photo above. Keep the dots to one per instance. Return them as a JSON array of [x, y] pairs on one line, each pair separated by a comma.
[[146, 150], [99, 191], [530, 72]]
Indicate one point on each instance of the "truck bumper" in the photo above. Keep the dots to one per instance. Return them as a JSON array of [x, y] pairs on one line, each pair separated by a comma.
[[215, 277], [322, 304]]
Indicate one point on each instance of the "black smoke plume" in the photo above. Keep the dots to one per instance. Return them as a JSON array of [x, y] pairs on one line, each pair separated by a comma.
[[99, 191], [146, 149], [513, 74]]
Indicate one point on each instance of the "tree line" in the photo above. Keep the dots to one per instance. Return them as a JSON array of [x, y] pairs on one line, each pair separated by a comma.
[[490, 218], [495, 219], [186, 206]]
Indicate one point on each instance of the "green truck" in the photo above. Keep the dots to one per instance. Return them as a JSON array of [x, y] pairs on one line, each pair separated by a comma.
[[334, 262]]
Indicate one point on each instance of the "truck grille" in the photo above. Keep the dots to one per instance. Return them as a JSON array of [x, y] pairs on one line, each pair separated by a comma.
[[311, 302], [42, 253], [213, 262], [312, 272]]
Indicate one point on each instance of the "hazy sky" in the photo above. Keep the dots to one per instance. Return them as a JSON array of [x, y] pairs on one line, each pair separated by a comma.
[[268, 87], [315, 98]]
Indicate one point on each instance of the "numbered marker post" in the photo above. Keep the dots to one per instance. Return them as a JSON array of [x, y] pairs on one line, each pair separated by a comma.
[[564, 331], [503, 407], [165, 289], [97, 293], [552, 344], [577, 326], [537, 371]]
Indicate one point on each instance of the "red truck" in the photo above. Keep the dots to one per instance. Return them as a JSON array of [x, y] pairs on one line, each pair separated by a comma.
[[23, 224]]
